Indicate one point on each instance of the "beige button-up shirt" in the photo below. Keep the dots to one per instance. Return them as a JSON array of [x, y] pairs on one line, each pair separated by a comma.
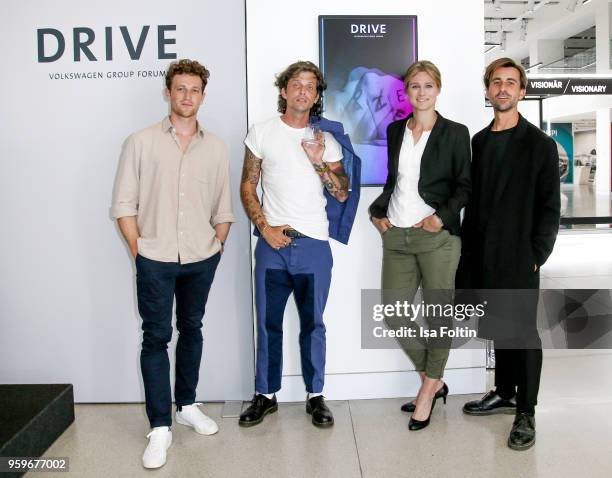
[[178, 197]]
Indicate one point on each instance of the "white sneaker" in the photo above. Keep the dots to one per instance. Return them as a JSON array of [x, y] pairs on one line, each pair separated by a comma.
[[160, 440], [191, 416]]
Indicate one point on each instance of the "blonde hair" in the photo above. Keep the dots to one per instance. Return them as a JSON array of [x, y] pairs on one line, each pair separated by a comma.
[[423, 66]]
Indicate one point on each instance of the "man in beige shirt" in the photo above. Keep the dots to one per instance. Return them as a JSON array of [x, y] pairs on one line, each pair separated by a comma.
[[172, 202]]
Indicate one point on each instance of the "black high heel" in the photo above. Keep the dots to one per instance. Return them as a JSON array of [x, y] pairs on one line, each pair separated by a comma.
[[442, 393], [420, 424]]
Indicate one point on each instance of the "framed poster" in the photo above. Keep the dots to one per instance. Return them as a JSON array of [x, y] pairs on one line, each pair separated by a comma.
[[564, 137], [364, 59]]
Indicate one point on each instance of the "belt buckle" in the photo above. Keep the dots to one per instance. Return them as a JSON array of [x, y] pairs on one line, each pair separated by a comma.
[[292, 233]]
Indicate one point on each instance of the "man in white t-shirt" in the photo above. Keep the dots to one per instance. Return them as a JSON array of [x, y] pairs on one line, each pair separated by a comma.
[[292, 252]]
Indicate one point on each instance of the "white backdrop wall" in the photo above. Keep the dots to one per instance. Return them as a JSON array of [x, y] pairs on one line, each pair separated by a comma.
[[67, 299], [67, 291], [451, 35]]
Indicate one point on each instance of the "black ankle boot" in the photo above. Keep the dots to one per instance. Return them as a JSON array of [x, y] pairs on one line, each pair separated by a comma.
[[260, 407], [321, 415], [522, 435], [490, 404]]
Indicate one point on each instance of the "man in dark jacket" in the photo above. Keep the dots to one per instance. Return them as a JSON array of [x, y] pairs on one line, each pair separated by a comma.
[[509, 231]]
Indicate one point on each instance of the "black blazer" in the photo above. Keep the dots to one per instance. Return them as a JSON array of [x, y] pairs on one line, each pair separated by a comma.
[[523, 220], [444, 182]]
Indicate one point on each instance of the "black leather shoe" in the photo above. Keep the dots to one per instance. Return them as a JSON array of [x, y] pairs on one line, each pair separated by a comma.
[[420, 424], [522, 435], [490, 404], [321, 415], [260, 407], [442, 393]]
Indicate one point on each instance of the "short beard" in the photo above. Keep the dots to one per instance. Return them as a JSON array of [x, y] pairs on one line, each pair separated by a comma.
[[502, 109], [301, 110]]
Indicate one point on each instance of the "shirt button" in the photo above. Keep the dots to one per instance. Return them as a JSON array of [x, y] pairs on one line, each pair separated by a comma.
[[181, 233], [181, 213], [182, 194]]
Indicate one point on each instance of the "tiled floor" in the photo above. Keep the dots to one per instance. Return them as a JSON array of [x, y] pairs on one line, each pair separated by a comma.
[[371, 438], [579, 261], [584, 201]]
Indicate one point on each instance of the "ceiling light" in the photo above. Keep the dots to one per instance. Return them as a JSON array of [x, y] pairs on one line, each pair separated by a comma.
[[523, 36], [502, 45], [531, 6], [571, 5]]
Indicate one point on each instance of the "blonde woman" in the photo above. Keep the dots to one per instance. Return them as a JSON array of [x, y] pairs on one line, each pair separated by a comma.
[[417, 214]]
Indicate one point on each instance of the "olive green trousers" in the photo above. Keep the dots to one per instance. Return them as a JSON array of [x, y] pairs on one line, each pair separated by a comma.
[[413, 258]]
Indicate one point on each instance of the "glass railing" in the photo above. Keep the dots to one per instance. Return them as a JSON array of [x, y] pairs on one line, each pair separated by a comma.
[[580, 63]]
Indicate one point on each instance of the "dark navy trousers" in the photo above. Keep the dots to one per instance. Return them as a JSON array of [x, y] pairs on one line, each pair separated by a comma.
[[304, 268], [157, 284]]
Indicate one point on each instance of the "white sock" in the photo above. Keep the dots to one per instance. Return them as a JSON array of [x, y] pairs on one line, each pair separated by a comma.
[[157, 428], [269, 396], [313, 395]]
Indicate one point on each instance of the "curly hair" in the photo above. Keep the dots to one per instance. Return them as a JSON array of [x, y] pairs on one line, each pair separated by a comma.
[[282, 79], [187, 67]]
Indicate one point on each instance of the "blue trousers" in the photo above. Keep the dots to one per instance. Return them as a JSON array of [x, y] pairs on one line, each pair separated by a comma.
[[304, 268], [157, 284]]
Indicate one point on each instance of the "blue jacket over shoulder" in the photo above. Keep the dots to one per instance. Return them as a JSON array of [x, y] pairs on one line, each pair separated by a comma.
[[341, 215]]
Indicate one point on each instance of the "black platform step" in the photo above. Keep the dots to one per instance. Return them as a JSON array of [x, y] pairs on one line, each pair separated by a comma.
[[32, 417]]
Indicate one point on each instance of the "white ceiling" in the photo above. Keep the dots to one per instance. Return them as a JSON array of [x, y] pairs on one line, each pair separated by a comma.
[[549, 19], [583, 119]]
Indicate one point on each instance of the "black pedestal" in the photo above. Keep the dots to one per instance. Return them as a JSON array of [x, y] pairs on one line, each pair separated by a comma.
[[32, 417]]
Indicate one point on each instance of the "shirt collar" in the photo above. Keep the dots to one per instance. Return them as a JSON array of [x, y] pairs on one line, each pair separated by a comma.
[[167, 126]]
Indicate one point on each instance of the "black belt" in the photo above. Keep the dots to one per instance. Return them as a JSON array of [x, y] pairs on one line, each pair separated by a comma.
[[293, 234]]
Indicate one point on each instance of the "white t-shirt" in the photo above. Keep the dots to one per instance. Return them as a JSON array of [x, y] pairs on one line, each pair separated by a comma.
[[406, 207], [292, 190]]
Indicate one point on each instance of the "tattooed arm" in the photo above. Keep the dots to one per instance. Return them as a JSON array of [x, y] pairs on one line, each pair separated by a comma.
[[332, 175], [251, 171], [334, 179]]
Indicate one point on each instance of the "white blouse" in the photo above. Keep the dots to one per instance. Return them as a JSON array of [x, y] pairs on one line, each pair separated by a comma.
[[406, 207]]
